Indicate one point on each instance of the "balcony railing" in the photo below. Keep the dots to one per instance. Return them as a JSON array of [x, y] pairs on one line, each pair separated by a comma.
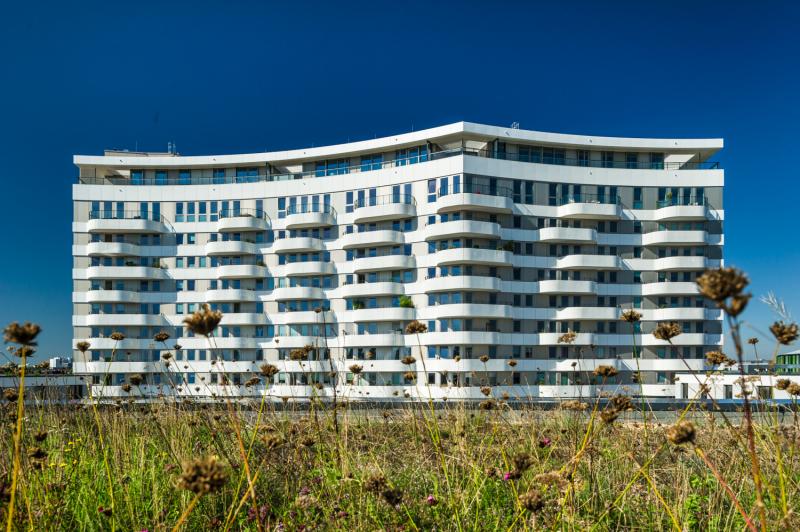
[[583, 198], [388, 199], [475, 188], [404, 161], [125, 215], [299, 208], [684, 200], [239, 213]]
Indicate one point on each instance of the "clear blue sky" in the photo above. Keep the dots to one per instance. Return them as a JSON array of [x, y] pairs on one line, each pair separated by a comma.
[[227, 77]]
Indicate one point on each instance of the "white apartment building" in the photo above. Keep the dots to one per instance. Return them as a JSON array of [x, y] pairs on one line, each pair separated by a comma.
[[498, 240]]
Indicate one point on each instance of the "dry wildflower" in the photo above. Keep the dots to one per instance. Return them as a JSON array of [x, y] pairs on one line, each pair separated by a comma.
[[166, 356], [82, 346], [715, 358], [722, 284], [126, 387], [793, 389], [252, 381], [409, 375], [782, 384], [203, 476], [532, 500], [631, 316], [408, 360], [457, 358], [682, 432], [161, 337], [551, 478], [784, 333], [268, 370], [512, 363], [376, 483], [40, 436], [10, 394], [21, 334], [117, 336], [23, 351], [298, 354], [620, 403], [667, 331], [567, 338], [37, 453], [203, 321], [486, 390], [609, 416], [574, 404], [484, 358], [605, 371], [752, 341], [136, 379], [177, 347], [416, 327], [489, 404], [355, 369]]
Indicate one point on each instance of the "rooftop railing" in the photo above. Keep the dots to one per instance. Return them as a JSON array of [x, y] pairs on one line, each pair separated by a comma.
[[583, 198], [528, 157], [243, 213], [125, 215]]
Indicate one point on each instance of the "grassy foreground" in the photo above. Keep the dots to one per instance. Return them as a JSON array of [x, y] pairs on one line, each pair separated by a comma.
[[406, 469], [595, 465]]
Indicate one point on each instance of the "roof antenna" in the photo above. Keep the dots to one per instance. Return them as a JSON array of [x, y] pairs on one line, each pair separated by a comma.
[[514, 125]]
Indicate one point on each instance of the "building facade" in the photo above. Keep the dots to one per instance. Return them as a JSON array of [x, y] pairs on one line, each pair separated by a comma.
[[498, 240]]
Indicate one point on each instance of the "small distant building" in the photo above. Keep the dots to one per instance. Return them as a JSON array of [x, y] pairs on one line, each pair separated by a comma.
[[48, 382], [760, 380]]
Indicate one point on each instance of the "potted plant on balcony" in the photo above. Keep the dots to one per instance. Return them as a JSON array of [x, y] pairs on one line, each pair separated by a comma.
[[406, 302], [260, 263], [358, 304], [508, 246]]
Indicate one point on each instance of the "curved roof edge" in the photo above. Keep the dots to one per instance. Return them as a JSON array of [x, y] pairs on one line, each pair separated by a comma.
[[455, 130]]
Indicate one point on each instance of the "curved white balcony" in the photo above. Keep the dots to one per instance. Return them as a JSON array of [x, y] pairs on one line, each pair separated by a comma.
[[589, 210], [240, 221], [473, 283], [112, 296], [381, 314], [680, 314], [588, 262], [462, 229], [229, 295], [466, 310], [552, 339], [385, 262], [111, 249], [555, 286], [295, 341], [289, 293], [125, 272], [221, 342], [125, 225], [459, 338], [681, 212], [675, 238], [244, 318], [383, 237], [301, 269], [310, 219], [487, 257], [384, 288], [679, 263], [377, 211], [119, 320], [297, 244], [669, 288], [473, 201], [567, 234], [231, 247], [584, 313], [241, 271], [392, 339]]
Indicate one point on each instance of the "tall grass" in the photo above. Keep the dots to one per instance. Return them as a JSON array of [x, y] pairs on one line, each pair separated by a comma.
[[610, 464]]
